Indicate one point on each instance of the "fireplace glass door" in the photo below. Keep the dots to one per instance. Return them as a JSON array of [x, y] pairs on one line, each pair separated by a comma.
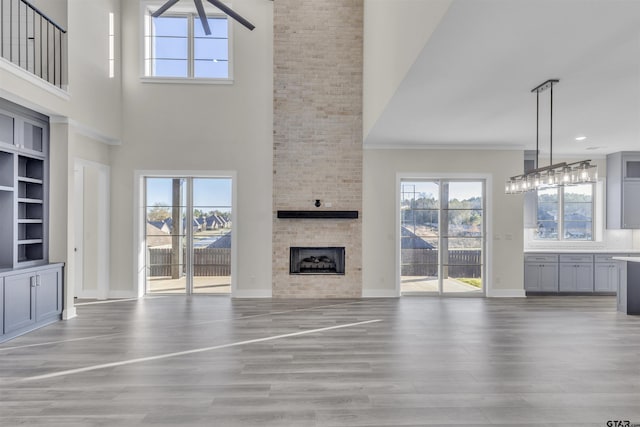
[[442, 236], [188, 235]]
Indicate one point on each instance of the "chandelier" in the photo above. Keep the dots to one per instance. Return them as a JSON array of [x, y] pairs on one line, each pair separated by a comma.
[[554, 175]]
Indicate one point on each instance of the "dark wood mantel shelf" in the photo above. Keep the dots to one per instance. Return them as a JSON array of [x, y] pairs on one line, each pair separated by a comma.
[[318, 214]]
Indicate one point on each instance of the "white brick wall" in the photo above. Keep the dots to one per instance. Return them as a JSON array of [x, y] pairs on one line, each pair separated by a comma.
[[317, 138]]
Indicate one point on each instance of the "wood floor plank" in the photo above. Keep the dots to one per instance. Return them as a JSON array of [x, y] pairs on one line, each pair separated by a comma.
[[534, 362]]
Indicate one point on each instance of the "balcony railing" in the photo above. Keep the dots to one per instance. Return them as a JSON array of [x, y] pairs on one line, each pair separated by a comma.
[[33, 41]]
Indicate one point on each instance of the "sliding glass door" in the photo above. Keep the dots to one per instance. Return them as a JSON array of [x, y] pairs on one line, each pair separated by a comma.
[[442, 236], [188, 235]]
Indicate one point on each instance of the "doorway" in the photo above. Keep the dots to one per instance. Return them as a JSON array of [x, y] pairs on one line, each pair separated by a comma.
[[442, 236], [188, 235]]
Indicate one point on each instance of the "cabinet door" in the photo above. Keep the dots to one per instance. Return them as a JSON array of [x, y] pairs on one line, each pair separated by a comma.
[[584, 277], [549, 277], [531, 277], [605, 277], [19, 297], [622, 287], [631, 204], [48, 294], [567, 280]]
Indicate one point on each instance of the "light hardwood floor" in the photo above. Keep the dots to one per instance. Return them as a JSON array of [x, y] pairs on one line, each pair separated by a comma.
[[419, 361]]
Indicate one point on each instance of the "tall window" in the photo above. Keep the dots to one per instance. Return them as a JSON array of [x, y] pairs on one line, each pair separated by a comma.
[[176, 46], [565, 213]]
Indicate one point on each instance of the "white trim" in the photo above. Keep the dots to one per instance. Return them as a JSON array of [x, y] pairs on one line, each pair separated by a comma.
[[33, 79], [139, 226], [488, 220], [122, 294], [85, 130], [452, 146], [379, 293], [250, 293], [185, 80], [69, 313], [507, 293], [210, 11]]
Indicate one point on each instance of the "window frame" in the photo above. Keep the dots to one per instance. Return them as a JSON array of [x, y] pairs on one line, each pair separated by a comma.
[[561, 216], [147, 8]]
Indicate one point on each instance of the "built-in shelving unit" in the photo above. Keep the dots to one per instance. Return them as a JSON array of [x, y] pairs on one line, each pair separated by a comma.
[[23, 187], [30, 287]]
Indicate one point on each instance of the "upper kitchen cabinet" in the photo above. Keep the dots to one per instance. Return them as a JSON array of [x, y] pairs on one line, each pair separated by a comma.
[[623, 190]]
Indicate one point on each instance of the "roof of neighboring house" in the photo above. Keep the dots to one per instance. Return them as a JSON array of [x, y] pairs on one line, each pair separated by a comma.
[[411, 240], [224, 242]]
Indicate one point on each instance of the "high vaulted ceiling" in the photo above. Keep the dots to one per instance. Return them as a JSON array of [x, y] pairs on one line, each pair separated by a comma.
[[470, 84]]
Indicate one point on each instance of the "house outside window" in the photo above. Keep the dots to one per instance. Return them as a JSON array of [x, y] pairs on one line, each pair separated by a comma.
[[566, 213], [176, 47]]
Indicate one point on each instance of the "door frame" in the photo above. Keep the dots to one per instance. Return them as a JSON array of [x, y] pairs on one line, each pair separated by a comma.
[[488, 218], [139, 216]]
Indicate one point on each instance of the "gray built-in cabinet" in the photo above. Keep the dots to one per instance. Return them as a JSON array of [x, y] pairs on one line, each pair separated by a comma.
[[623, 190], [541, 273], [575, 273], [584, 273], [24, 207]]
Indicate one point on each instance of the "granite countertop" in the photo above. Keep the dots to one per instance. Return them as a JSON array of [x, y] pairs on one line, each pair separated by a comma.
[[627, 258]]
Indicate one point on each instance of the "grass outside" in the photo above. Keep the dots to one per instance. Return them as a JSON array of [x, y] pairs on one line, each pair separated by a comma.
[[475, 282]]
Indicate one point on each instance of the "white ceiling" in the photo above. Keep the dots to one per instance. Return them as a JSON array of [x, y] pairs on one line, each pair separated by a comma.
[[471, 84]]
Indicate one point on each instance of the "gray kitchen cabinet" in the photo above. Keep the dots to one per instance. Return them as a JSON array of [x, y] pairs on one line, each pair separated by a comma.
[[606, 274], [629, 287], [541, 273], [576, 273], [623, 190]]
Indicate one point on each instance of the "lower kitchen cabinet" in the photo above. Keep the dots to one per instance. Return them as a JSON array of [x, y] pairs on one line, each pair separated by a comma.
[[606, 277], [31, 299], [541, 273], [576, 277], [584, 273]]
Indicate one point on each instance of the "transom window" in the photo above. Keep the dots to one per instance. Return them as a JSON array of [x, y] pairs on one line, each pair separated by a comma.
[[565, 213], [176, 46]]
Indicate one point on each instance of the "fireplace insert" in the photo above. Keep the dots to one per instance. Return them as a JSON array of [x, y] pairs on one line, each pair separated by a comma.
[[328, 260]]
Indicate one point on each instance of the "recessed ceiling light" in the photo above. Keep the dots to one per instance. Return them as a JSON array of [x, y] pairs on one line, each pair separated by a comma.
[[580, 138]]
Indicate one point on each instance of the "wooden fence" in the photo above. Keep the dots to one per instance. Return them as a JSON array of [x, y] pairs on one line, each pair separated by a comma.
[[206, 262], [424, 262]]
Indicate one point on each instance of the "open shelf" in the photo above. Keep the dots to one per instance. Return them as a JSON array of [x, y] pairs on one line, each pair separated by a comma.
[[30, 251], [31, 180], [30, 221], [25, 200], [29, 167], [3, 188]]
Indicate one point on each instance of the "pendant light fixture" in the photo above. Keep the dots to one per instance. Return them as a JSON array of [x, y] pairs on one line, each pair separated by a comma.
[[554, 175]]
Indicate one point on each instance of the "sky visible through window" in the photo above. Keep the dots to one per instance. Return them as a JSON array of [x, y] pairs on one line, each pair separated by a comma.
[[171, 54], [207, 192]]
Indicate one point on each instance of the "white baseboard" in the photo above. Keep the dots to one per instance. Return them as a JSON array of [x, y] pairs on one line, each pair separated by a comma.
[[251, 293], [506, 293], [69, 313], [379, 293], [122, 294]]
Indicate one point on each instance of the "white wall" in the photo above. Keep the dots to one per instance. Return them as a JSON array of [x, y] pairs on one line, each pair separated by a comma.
[[204, 127], [95, 98], [54, 9], [395, 31], [379, 217]]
